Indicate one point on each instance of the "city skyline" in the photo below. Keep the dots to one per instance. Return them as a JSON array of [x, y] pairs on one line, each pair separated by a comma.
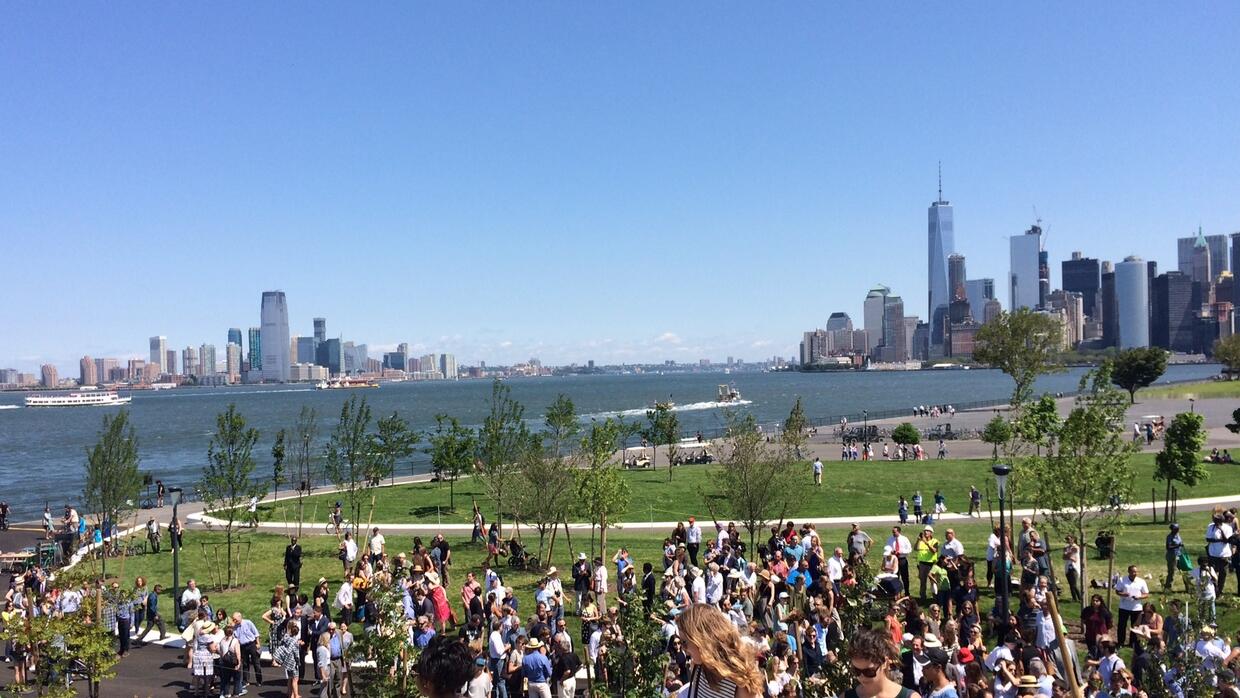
[[502, 183]]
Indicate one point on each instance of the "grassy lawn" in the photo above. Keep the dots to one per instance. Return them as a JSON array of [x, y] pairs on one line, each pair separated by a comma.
[[1141, 542], [1203, 389], [853, 488]]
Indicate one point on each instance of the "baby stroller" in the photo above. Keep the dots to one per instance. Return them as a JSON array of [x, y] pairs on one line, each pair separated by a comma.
[[518, 559]]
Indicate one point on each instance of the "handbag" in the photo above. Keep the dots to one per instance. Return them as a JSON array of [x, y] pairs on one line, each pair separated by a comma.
[[1184, 563]]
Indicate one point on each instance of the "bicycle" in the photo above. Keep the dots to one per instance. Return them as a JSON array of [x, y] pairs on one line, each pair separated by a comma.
[[334, 528]]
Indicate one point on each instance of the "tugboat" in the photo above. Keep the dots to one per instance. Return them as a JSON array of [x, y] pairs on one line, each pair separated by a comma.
[[728, 394]]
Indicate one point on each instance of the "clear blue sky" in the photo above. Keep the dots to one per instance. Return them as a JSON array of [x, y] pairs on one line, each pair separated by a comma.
[[608, 181]]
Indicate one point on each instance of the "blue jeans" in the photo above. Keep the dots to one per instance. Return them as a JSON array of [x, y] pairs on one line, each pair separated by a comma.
[[499, 687]]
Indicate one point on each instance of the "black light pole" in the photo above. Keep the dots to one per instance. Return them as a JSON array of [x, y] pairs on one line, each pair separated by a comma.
[[1002, 574], [176, 552]]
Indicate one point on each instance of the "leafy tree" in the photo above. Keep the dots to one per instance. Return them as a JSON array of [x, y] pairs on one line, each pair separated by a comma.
[[113, 482], [227, 479], [452, 450], [304, 433], [61, 644], [1082, 484], [1227, 352], [1022, 344], [392, 441], [635, 665], [795, 426], [906, 435], [1180, 459], [1136, 368], [562, 426], [1234, 426], [348, 451], [663, 428], [602, 493], [544, 491], [391, 657], [502, 440], [277, 461], [998, 431], [757, 484], [1037, 423]]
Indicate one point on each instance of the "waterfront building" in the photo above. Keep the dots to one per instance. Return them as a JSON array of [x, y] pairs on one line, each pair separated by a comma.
[[839, 321], [963, 339], [941, 241], [49, 377], [1175, 302], [814, 347], [993, 309], [86, 371], [394, 360], [977, 292], [956, 278], [170, 361], [329, 356], [872, 316], [917, 336], [232, 362], [895, 334], [1132, 302], [1110, 310], [305, 350], [234, 336], [1201, 270], [1235, 269], [429, 363], [136, 372], [274, 336], [447, 366], [158, 346], [1023, 276], [189, 361], [320, 329], [1071, 306], [206, 360], [1083, 275], [255, 353], [1044, 277], [106, 370], [301, 371], [1219, 259]]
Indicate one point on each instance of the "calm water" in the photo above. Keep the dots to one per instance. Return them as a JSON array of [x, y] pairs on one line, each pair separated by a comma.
[[42, 451]]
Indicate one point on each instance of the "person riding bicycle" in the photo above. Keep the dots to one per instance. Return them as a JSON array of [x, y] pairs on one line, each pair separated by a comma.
[[337, 517]]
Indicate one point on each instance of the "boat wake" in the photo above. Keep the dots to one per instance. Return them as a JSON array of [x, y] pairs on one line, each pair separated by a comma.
[[9, 407], [691, 407]]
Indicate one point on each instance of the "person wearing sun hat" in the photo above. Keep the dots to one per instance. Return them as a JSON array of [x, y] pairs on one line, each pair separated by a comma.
[[536, 669]]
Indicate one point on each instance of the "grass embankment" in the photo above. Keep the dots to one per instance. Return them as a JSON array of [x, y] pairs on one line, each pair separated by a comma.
[[855, 488], [1202, 390], [1140, 543]]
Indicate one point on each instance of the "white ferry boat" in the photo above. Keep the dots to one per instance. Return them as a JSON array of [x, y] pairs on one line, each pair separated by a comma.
[[99, 399]]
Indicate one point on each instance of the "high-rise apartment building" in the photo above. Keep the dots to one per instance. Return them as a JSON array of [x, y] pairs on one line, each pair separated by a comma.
[[1023, 277], [170, 361], [232, 361], [306, 350], [234, 336], [1219, 259], [49, 377], [330, 356], [107, 370], [941, 239], [320, 329], [1174, 302], [895, 334], [159, 345], [206, 360], [395, 360], [839, 321], [872, 312], [274, 336], [1071, 307], [447, 366], [86, 371], [1083, 275], [136, 372], [1044, 277], [956, 278], [1110, 309], [255, 353], [189, 362], [1133, 302]]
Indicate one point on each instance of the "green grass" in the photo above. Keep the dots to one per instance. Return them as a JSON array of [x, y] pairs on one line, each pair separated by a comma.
[[855, 488], [1203, 389]]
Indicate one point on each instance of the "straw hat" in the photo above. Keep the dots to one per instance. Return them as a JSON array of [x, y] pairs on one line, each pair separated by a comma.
[[432, 578], [552, 571], [1027, 681], [533, 644]]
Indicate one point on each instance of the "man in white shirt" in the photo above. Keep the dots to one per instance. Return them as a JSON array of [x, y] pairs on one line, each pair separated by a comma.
[[556, 589], [600, 583], [191, 593], [992, 552], [835, 568], [818, 472], [952, 547], [1217, 534], [901, 547], [698, 586], [1130, 590], [344, 600], [693, 540], [714, 584], [377, 546]]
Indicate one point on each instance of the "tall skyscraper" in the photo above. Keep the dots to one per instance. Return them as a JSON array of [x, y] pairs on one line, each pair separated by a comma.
[[274, 336], [232, 360], [872, 312], [1133, 302], [1235, 270], [1173, 312], [978, 291], [1083, 275], [206, 360], [86, 371], [159, 345], [320, 329], [941, 241], [170, 361], [956, 278], [895, 334], [330, 356], [1110, 309], [189, 362], [1044, 277], [234, 336], [255, 354], [1024, 279], [447, 366], [306, 350], [1219, 260]]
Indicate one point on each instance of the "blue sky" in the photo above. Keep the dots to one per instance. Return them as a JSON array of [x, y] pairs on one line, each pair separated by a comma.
[[574, 181]]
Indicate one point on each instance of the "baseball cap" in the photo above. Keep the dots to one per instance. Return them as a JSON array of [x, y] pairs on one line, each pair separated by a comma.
[[937, 656]]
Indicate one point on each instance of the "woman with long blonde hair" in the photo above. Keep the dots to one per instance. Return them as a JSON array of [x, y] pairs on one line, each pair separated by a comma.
[[723, 665]]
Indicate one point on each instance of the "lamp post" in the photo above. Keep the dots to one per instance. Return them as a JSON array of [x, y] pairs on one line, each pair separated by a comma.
[[865, 430], [1002, 574], [175, 539], [1192, 404]]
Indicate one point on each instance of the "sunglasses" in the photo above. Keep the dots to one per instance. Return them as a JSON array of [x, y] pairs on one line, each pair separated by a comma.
[[868, 672]]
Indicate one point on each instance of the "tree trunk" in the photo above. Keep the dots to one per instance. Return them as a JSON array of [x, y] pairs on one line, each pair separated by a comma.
[[1167, 503], [228, 566], [451, 494], [602, 539], [551, 548], [1081, 575]]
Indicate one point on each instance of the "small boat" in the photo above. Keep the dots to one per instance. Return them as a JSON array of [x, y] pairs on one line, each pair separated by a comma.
[[728, 394], [84, 399], [345, 384]]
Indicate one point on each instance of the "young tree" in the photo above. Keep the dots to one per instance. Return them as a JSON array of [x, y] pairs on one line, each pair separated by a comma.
[[112, 478], [998, 431], [1136, 368], [348, 452], [1180, 459], [277, 462], [452, 450], [758, 484], [392, 441], [561, 426], [1227, 352], [304, 433], [1022, 344], [602, 493], [543, 492], [906, 435], [1038, 422], [502, 441], [1082, 484], [795, 426], [663, 428], [227, 479]]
